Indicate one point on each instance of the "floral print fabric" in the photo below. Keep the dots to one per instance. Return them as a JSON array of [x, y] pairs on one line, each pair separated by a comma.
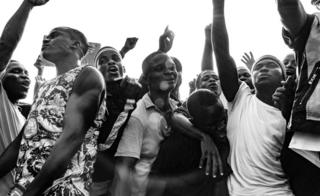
[[44, 127]]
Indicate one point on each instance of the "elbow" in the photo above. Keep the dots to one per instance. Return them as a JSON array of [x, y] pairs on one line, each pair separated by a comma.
[[179, 122], [72, 142]]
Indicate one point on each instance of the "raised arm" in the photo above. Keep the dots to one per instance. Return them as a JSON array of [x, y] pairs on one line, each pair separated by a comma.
[[293, 15], [13, 30], [82, 108], [207, 57], [226, 66]]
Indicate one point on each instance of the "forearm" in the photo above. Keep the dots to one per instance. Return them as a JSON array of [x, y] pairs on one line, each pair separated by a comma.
[[159, 184], [13, 32], [121, 185], [55, 166], [293, 15], [122, 182], [8, 158], [123, 52], [207, 58]]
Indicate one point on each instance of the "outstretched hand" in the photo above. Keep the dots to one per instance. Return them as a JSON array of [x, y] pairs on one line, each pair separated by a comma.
[[166, 40], [210, 157], [248, 59], [38, 2]]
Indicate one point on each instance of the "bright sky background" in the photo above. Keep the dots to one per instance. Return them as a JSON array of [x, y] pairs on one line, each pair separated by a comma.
[[253, 25]]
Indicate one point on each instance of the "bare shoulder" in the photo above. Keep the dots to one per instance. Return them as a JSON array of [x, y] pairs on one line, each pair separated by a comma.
[[89, 79]]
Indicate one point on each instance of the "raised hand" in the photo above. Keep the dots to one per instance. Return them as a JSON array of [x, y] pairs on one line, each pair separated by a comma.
[[130, 43], [38, 2], [130, 88], [166, 40], [248, 59]]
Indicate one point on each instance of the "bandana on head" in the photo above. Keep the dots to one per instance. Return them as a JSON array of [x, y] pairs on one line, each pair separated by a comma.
[[274, 60], [105, 49]]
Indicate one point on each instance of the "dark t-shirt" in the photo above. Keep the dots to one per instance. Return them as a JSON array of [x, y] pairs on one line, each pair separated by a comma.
[[306, 107], [304, 176], [104, 165]]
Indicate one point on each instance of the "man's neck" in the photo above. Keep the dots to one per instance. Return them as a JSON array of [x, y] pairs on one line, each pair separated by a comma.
[[265, 96], [66, 65]]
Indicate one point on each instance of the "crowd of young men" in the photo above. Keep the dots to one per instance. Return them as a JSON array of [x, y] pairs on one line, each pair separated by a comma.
[[92, 131]]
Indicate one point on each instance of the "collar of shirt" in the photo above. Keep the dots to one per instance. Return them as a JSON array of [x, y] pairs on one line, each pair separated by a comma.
[[149, 104]]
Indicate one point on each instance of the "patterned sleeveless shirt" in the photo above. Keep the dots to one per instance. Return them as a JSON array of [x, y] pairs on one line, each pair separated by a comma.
[[43, 128]]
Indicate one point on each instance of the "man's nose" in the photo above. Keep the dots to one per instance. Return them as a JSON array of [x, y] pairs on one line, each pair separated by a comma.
[[45, 39], [211, 79], [111, 62], [264, 69]]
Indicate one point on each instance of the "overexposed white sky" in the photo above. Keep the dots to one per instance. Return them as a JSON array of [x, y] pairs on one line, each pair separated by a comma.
[[253, 25]]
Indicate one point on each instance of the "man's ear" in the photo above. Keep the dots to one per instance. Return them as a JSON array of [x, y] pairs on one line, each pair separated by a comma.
[[76, 45]]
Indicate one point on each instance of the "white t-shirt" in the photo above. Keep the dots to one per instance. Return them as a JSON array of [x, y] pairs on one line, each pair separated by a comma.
[[256, 133], [11, 122], [141, 139]]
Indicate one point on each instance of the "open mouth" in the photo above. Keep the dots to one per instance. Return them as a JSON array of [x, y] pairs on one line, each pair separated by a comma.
[[44, 46], [113, 70]]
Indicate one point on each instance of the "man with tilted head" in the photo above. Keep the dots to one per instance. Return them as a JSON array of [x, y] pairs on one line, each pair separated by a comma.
[[55, 151]]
